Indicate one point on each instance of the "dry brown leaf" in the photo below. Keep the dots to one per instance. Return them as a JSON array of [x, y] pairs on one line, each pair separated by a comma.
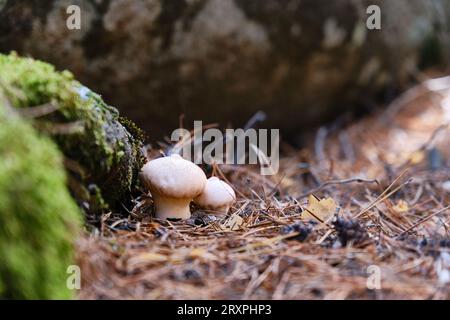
[[234, 223], [322, 209], [417, 157], [401, 206]]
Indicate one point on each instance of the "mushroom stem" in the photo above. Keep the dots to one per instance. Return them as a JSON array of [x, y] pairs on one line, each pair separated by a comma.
[[171, 208], [224, 209], [220, 210]]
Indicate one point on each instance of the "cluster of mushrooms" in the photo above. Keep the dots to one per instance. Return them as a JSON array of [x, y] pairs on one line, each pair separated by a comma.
[[174, 182]]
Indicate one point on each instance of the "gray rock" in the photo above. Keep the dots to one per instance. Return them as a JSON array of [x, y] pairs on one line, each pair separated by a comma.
[[302, 62]]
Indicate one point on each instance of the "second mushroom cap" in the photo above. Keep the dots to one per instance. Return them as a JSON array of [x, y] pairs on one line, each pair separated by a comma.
[[217, 195]]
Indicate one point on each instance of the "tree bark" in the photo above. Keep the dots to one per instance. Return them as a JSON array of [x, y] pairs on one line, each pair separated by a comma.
[[302, 62]]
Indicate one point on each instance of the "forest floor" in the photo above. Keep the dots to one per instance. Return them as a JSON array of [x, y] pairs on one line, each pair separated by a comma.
[[361, 213]]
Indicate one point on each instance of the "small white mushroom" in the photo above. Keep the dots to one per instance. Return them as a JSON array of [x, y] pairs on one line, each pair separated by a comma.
[[173, 183], [217, 196]]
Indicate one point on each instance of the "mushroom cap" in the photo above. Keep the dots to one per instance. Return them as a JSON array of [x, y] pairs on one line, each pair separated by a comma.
[[216, 194], [174, 177]]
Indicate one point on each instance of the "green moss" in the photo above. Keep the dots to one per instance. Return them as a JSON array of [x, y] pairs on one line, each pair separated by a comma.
[[139, 135], [107, 155], [38, 218]]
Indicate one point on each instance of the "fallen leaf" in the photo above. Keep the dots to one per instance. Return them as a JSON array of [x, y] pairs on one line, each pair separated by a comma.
[[417, 157], [234, 223], [322, 209], [401, 206]]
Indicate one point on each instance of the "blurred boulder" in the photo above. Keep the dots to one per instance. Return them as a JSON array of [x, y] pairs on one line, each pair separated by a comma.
[[301, 61]]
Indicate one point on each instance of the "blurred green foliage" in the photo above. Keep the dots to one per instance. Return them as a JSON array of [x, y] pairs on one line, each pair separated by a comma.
[[38, 218]]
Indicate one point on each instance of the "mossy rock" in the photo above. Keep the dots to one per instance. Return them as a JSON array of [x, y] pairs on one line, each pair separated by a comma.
[[38, 218], [103, 152]]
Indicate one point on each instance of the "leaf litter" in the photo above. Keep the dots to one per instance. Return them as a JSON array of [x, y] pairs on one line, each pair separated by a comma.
[[373, 193]]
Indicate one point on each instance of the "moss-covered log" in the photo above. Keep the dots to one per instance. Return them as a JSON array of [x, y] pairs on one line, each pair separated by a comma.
[[102, 150], [301, 61], [39, 220]]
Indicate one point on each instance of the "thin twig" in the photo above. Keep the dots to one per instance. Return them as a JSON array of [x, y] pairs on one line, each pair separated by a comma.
[[38, 111], [380, 197], [319, 144], [422, 221], [334, 182]]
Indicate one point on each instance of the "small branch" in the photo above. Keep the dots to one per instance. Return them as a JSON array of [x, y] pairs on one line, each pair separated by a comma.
[[319, 144], [334, 182], [60, 128], [259, 116], [347, 147], [422, 221], [38, 111], [383, 195]]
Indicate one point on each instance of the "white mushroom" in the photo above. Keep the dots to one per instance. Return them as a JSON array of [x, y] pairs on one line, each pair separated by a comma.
[[217, 196], [173, 183]]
